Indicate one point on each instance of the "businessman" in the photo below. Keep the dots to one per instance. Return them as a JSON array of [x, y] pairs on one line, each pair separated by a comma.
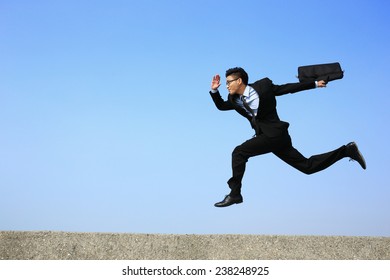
[[257, 103]]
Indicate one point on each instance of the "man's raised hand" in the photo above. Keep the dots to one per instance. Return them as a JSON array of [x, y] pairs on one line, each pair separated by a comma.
[[216, 82]]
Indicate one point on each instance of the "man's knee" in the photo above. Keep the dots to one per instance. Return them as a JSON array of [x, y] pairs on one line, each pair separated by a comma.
[[308, 171], [238, 153]]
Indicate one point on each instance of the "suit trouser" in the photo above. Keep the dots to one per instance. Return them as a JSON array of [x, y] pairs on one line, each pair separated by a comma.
[[282, 147]]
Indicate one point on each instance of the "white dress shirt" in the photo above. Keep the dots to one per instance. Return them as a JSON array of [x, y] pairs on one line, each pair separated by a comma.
[[252, 99]]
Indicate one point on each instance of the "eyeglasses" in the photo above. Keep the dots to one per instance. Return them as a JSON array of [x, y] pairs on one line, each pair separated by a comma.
[[229, 82]]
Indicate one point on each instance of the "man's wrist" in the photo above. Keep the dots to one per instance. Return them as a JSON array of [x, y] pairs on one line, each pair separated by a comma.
[[214, 90]]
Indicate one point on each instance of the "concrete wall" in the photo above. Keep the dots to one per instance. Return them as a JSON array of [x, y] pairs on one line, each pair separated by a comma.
[[47, 245]]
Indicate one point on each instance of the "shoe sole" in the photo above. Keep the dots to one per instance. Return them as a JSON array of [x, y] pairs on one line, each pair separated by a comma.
[[221, 206]]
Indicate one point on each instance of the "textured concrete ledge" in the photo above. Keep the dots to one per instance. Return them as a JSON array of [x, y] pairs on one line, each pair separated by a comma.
[[47, 245]]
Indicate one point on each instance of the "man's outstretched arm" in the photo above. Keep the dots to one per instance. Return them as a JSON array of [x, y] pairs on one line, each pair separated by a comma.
[[295, 87], [219, 102]]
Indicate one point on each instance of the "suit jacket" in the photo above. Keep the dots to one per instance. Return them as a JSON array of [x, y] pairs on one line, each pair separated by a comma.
[[267, 119]]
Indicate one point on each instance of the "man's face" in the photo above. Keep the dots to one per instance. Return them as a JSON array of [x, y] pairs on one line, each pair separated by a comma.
[[232, 84]]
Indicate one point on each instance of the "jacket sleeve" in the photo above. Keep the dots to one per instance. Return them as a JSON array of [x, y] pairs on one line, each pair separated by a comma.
[[292, 88], [220, 103]]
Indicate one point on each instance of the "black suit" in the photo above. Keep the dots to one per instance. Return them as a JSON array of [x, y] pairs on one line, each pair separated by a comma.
[[271, 133]]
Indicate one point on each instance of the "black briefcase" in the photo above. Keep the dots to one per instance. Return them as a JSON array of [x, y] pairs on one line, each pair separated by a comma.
[[327, 72]]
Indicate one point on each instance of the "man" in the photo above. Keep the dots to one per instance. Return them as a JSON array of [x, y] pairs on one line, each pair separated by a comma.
[[257, 103]]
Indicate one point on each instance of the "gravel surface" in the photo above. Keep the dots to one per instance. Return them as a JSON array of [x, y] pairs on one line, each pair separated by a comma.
[[49, 245]]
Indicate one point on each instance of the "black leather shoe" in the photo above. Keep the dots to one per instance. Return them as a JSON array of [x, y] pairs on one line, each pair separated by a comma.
[[229, 200], [354, 153]]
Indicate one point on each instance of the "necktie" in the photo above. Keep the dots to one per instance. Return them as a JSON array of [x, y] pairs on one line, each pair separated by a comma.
[[249, 109], [254, 123]]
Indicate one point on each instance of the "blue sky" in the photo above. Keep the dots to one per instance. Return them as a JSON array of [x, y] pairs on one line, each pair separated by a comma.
[[107, 125]]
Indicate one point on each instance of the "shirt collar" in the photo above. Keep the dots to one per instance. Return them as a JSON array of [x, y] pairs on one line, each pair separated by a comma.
[[246, 91]]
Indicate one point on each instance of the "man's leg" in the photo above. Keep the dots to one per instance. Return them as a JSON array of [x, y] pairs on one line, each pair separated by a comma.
[[313, 164], [253, 147]]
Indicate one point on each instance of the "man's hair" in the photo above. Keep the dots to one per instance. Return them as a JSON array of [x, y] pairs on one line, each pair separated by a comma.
[[238, 72]]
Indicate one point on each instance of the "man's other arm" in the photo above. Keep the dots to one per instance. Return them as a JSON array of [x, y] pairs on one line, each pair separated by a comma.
[[296, 87]]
